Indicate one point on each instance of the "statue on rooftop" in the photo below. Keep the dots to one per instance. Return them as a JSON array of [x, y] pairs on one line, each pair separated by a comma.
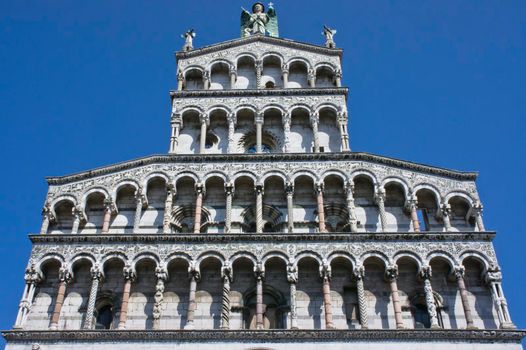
[[188, 37], [329, 37], [259, 22]]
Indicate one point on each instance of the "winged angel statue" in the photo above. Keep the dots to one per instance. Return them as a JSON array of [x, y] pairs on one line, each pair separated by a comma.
[[259, 22]]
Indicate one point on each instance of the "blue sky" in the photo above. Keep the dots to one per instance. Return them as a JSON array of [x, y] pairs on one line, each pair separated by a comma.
[[85, 84]]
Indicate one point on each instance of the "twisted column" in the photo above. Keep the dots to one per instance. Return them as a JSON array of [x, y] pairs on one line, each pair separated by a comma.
[[259, 208], [229, 190], [259, 132], [108, 210], [446, 214], [314, 119], [380, 201], [477, 211], [342, 123], [412, 205], [226, 274], [259, 71], [168, 203], [494, 280], [325, 274], [260, 275], [202, 141], [426, 273], [47, 217], [292, 278], [353, 221], [199, 190], [32, 278], [162, 276], [391, 274], [231, 131], [64, 278], [321, 210], [96, 276], [140, 200], [359, 273], [289, 189], [175, 123], [459, 274], [286, 132], [129, 277], [192, 305]]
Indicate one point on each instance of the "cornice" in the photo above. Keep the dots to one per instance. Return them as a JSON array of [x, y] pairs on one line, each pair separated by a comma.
[[254, 38], [276, 336], [259, 92], [267, 157], [265, 237]]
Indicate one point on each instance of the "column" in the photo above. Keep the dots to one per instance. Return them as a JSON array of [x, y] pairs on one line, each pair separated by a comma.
[[342, 123], [285, 75], [32, 278], [96, 276], [286, 132], [325, 273], [446, 214], [321, 210], [477, 212], [260, 275], [180, 80], [108, 209], [231, 130], [311, 76], [140, 201], [202, 141], [459, 274], [391, 274], [353, 221], [206, 80], [64, 278], [47, 217], [233, 76], [229, 191], [259, 131], [77, 215], [494, 281], [292, 278], [338, 78], [412, 205], [359, 274], [194, 278], [259, 208], [162, 276], [129, 277], [425, 274], [199, 190], [175, 123], [259, 71], [289, 190], [380, 201], [226, 275], [168, 203], [314, 124]]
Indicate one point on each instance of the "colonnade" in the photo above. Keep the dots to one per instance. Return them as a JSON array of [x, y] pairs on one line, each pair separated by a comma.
[[492, 276]]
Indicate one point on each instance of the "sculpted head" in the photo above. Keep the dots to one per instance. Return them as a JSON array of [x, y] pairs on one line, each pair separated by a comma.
[[258, 7]]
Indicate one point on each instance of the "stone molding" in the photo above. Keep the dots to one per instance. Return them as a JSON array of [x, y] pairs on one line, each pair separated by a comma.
[[261, 92], [282, 336]]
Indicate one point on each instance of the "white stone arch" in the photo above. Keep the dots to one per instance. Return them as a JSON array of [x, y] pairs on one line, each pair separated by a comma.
[[307, 173], [191, 108], [178, 256], [336, 172], [243, 254], [342, 254], [325, 64], [114, 255], [210, 254], [94, 189], [450, 259], [49, 257], [395, 179], [153, 175], [275, 254], [77, 258], [221, 107], [274, 54], [299, 59], [189, 174], [375, 254], [308, 254], [245, 54], [410, 255], [364, 172], [273, 106], [215, 173], [220, 61], [193, 67], [244, 173], [458, 193], [480, 257], [335, 108], [63, 198], [121, 184], [430, 187], [146, 255], [303, 106], [277, 173], [251, 107]]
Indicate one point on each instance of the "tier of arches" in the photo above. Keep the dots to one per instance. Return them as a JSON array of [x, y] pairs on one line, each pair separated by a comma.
[[274, 202], [275, 292], [249, 72], [272, 129]]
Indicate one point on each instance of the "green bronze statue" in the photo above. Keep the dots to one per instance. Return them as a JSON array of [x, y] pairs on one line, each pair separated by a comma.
[[259, 22]]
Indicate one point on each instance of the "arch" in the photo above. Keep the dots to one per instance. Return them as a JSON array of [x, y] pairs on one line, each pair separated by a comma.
[[243, 254], [48, 258], [193, 67], [409, 255], [429, 187], [82, 257], [184, 174], [245, 173], [375, 254], [275, 254], [308, 254], [245, 54], [252, 108], [220, 107], [335, 172], [153, 175], [191, 108], [481, 258], [178, 256], [273, 106], [63, 198], [305, 61], [91, 190], [277, 173], [325, 65], [212, 254], [462, 194], [302, 106], [219, 61], [216, 173], [395, 179], [440, 254], [146, 255], [273, 54], [307, 173], [342, 254], [126, 182], [328, 105], [114, 255], [365, 173]]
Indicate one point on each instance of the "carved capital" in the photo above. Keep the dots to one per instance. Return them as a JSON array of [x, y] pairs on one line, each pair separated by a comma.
[[193, 271], [391, 272], [258, 189], [459, 271], [97, 272], [31, 275], [379, 195], [359, 272], [289, 188], [200, 188], [292, 273], [226, 272], [64, 274], [319, 187], [229, 188], [259, 271], [325, 270], [426, 272], [493, 275], [129, 273]]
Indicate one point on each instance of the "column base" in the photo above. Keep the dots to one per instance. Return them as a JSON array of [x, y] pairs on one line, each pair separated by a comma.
[[508, 325], [400, 327], [53, 327], [435, 326], [189, 326], [471, 327]]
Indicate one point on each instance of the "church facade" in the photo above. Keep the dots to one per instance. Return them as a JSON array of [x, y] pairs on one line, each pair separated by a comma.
[[261, 229]]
